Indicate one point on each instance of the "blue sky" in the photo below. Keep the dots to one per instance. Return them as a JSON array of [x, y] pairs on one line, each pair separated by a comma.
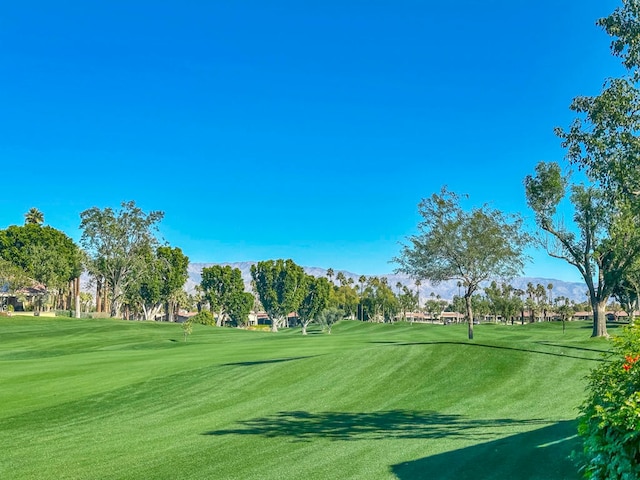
[[280, 129]]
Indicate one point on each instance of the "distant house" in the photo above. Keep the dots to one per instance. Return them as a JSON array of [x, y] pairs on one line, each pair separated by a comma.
[[451, 317], [583, 315], [19, 299]]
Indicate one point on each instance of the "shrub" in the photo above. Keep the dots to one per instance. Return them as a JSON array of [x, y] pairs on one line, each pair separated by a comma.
[[610, 417], [204, 317]]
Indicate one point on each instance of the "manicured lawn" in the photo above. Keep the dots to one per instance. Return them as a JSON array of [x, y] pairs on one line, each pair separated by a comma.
[[112, 399]]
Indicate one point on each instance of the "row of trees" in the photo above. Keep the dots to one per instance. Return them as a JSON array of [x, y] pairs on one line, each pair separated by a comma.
[[602, 242], [133, 273]]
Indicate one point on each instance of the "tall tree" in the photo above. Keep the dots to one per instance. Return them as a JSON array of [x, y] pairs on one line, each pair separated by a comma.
[[45, 254], [117, 243], [603, 142], [281, 286], [164, 276], [330, 274], [407, 301], [603, 241], [33, 217], [471, 247], [174, 265], [504, 300], [314, 302], [223, 288], [361, 280], [379, 302]]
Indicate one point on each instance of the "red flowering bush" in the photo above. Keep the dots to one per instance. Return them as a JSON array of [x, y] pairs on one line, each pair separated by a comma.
[[610, 420]]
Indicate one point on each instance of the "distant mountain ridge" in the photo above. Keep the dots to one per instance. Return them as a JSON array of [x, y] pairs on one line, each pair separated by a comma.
[[447, 290]]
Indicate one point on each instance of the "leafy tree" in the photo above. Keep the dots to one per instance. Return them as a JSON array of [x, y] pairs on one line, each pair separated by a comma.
[[471, 247], [240, 307], [565, 308], [223, 288], [12, 277], [86, 300], [504, 300], [480, 306], [434, 306], [314, 302], [627, 292], [173, 269], [345, 298], [118, 243], [187, 328], [159, 285], [329, 317], [603, 142], [379, 302], [45, 254], [33, 217], [407, 301], [603, 241], [603, 138], [281, 286]]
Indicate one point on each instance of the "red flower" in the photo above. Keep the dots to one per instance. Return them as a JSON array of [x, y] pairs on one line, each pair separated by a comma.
[[626, 367]]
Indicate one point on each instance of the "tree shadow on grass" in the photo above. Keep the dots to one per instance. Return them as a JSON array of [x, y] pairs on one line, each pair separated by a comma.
[[584, 349], [385, 425], [263, 362], [499, 347], [539, 454]]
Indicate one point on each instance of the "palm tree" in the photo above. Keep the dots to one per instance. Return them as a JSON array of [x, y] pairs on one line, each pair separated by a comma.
[[33, 217], [330, 274], [362, 280]]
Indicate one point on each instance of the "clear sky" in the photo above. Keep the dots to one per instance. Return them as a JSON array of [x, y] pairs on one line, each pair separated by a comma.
[[288, 129]]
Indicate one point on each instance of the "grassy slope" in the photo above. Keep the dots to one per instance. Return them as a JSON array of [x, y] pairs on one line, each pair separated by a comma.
[[112, 399]]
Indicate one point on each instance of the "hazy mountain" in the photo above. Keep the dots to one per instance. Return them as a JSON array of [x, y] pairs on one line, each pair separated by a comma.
[[573, 290]]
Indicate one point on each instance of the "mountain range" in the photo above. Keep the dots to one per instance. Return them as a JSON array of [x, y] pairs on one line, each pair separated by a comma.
[[575, 291]]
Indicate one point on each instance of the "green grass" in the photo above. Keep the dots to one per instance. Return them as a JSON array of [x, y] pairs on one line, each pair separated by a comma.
[[86, 399]]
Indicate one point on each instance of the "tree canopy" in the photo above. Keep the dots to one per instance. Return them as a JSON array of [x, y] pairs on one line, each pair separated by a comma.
[[315, 300], [118, 243], [603, 142], [45, 254], [602, 242], [469, 246], [281, 286], [223, 288]]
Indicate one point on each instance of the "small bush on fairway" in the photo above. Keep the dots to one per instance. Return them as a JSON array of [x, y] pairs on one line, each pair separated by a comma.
[[610, 421], [204, 317]]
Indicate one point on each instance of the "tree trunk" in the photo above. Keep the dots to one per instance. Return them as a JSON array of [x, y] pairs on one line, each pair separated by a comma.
[[98, 295], [467, 302], [274, 324], [219, 318], [304, 328], [600, 320], [170, 311], [76, 293]]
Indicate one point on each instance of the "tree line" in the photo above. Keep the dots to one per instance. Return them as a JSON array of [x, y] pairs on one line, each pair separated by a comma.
[[135, 276]]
